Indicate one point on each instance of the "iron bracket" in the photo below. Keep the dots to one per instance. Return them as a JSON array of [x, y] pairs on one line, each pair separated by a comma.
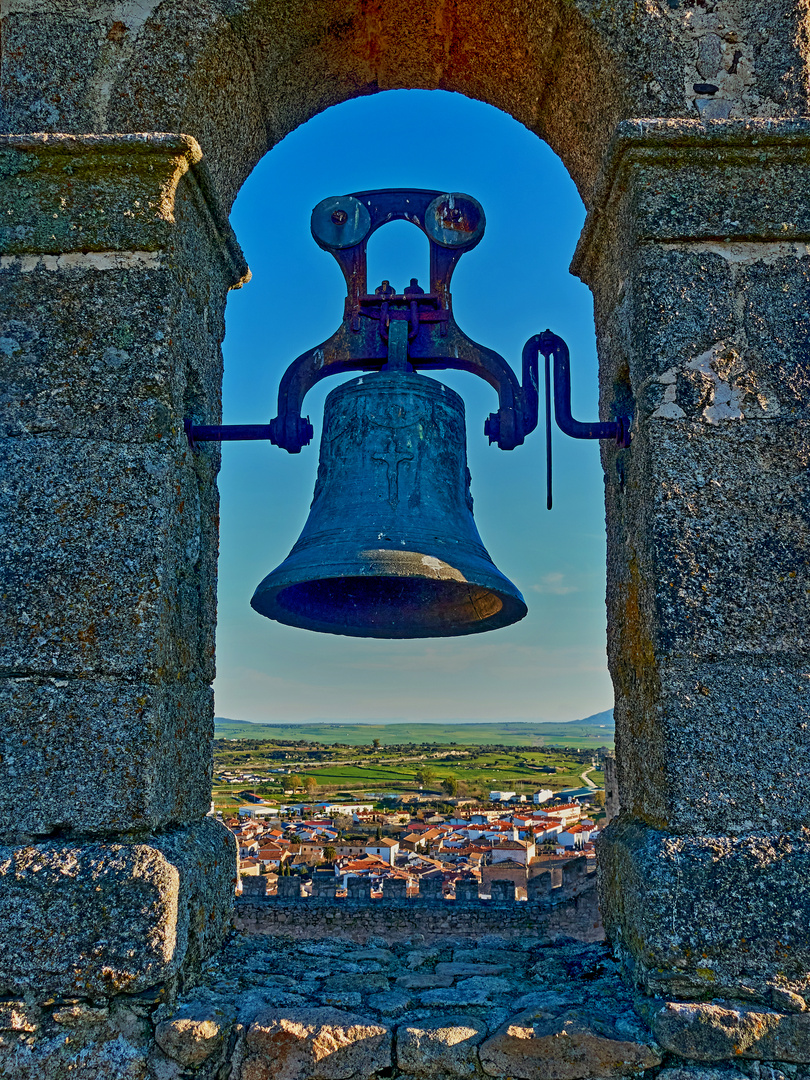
[[453, 223]]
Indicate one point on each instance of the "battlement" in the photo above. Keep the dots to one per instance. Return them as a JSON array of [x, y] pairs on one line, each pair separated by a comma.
[[568, 906], [544, 889]]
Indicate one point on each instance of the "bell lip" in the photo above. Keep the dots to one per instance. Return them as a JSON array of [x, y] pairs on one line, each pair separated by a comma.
[[485, 575]]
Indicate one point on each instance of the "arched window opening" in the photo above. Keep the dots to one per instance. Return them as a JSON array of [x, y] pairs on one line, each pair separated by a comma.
[[514, 284]]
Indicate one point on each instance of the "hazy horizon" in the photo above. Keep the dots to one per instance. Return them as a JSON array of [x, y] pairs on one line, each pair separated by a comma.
[[389, 721]]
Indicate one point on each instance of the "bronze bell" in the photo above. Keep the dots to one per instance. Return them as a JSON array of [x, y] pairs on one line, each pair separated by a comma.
[[390, 548]]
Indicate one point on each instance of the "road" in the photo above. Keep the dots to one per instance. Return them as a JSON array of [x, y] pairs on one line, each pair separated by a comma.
[[586, 780]]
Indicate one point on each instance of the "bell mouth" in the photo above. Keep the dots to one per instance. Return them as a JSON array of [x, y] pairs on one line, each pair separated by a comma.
[[390, 607]]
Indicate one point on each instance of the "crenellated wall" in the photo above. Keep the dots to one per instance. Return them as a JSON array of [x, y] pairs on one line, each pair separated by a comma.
[[568, 908]]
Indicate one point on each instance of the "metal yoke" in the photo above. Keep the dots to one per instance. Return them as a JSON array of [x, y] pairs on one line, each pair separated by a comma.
[[453, 223]]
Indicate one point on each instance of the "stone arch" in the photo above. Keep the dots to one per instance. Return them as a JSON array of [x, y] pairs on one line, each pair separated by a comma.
[[116, 257], [241, 76]]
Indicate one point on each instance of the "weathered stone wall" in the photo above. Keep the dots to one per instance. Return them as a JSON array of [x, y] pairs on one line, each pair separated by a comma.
[[577, 918], [270, 1006], [109, 336], [534, 1008], [703, 303], [681, 123], [109, 522], [239, 75]]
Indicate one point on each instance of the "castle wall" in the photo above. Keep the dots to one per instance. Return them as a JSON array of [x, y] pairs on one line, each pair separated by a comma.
[[434, 920], [569, 908]]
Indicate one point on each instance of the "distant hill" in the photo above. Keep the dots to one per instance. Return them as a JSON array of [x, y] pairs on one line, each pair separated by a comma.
[[593, 731], [598, 718]]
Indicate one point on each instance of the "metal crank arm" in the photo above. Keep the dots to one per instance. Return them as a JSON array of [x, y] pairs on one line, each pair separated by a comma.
[[558, 362]]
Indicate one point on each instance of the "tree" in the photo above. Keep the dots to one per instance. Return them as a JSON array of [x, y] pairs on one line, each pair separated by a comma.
[[310, 785], [379, 833], [329, 853], [425, 776], [598, 798], [375, 743], [450, 786]]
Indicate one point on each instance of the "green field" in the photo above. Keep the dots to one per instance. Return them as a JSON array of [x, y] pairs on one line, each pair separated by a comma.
[[334, 758], [488, 770], [410, 767], [585, 734]]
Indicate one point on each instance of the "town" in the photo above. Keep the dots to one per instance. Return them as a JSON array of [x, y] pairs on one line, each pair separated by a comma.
[[417, 838]]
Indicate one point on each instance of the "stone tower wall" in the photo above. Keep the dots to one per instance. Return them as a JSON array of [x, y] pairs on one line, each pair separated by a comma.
[[129, 129]]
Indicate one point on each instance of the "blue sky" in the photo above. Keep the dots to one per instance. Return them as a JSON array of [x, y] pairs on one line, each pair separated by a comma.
[[551, 665]]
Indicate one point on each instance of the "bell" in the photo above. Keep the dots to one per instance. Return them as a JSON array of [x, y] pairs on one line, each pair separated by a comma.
[[390, 548]]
